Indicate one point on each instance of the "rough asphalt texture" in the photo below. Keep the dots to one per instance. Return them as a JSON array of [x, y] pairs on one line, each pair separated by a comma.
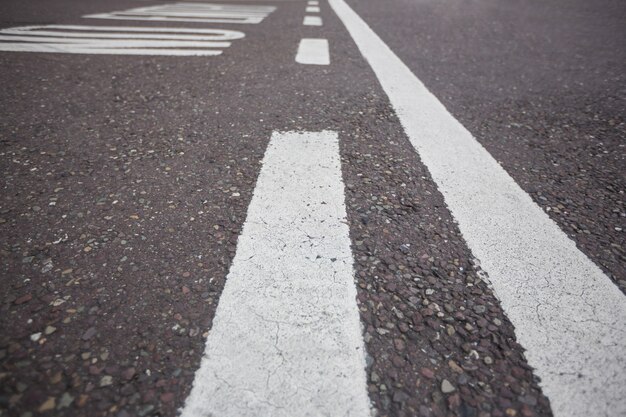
[[542, 85], [125, 182]]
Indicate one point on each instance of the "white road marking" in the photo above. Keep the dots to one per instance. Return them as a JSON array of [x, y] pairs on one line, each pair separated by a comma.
[[313, 52], [312, 21], [215, 34], [193, 12], [286, 337], [73, 49], [102, 40], [312, 9], [118, 43], [313, 3], [568, 315]]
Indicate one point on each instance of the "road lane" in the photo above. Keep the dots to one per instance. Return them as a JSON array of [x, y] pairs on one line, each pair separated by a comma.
[[124, 194], [541, 86], [568, 315]]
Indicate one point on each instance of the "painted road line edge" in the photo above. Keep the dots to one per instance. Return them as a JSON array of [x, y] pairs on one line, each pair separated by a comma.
[[313, 52], [286, 338], [312, 21], [568, 315]]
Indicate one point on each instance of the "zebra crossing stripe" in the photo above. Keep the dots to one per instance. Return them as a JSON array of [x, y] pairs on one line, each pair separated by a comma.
[[286, 338]]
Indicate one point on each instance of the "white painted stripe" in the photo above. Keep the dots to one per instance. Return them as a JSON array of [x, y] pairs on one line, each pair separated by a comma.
[[84, 40], [43, 35], [220, 34], [312, 21], [205, 8], [151, 18], [192, 12], [286, 337], [216, 13], [77, 49], [568, 315], [117, 43], [312, 9], [313, 52], [224, 6], [313, 3]]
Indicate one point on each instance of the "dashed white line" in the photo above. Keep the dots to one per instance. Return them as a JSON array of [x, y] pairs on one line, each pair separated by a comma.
[[312, 21], [312, 9], [568, 315], [286, 338], [313, 52]]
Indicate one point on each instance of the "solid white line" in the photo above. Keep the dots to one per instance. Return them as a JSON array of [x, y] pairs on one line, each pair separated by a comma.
[[286, 337], [312, 21], [312, 9], [313, 52], [568, 315]]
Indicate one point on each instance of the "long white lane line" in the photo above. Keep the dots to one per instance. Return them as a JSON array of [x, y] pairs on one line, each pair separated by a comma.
[[312, 21], [313, 52], [568, 315], [286, 338]]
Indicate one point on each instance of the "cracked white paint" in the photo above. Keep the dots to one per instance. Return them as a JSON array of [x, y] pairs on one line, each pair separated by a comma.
[[568, 315], [286, 338]]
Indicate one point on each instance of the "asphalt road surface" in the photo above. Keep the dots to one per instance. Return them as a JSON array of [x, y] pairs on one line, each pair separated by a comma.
[[313, 208]]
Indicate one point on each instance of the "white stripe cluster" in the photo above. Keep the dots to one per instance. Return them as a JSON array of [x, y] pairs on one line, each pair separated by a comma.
[[117, 40], [312, 7], [193, 12]]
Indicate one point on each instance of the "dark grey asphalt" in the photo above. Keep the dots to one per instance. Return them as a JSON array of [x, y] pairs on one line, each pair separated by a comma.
[[542, 85], [151, 164]]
